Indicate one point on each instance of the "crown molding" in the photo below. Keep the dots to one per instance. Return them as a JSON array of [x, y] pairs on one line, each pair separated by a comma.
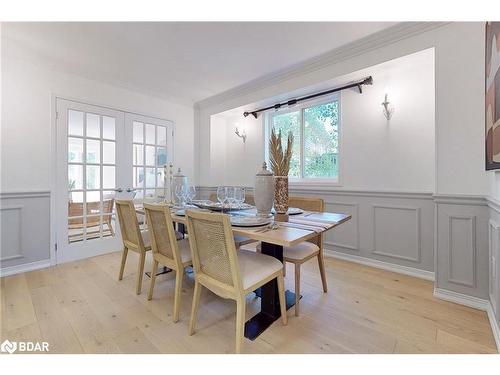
[[371, 42]]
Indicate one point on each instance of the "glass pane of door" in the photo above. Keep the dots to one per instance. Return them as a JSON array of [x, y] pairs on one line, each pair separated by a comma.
[[91, 180], [91, 173], [151, 155]]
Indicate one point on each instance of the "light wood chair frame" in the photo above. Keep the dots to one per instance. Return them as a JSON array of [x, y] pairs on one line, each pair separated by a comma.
[[236, 291], [129, 244], [174, 263], [309, 204]]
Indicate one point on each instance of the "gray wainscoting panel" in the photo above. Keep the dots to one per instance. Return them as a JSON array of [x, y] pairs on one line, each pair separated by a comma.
[[396, 232], [11, 239], [395, 228], [345, 236], [494, 243], [462, 245], [462, 250], [25, 228], [494, 253]]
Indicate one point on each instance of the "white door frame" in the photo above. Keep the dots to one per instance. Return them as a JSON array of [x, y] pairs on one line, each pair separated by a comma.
[[54, 152]]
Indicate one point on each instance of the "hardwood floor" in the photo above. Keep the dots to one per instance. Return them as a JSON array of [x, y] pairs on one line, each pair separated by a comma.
[[80, 307]]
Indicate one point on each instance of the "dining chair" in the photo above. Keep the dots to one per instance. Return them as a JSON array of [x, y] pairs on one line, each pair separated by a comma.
[[238, 240], [167, 249], [75, 209], [133, 238], [304, 251], [231, 275]]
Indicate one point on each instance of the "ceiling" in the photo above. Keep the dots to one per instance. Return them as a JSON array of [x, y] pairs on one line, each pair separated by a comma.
[[183, 61]]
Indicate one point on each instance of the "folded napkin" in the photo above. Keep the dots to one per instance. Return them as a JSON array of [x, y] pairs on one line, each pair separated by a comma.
[[302, 226], [312, 223]]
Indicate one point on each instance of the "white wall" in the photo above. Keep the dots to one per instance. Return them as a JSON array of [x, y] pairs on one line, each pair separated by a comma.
[[459, 73], [232, 161], [28, 83], [376, 154]]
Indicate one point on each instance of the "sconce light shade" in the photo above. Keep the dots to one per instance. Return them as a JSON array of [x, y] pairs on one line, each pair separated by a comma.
[[388, 109]]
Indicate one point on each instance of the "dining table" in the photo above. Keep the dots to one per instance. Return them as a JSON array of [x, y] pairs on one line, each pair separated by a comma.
[[286, 230]]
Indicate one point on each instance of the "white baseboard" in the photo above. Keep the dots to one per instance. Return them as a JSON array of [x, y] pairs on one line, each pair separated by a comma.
[[494, 325], [462, 299], [27, 267], [474, 302], [410, 271]]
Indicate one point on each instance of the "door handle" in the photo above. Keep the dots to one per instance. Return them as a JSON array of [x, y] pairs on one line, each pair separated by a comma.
[[129, 190], [119, 190]]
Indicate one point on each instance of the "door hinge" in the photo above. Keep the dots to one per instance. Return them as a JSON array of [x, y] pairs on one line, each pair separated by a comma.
[[55, 247], [57, 115]]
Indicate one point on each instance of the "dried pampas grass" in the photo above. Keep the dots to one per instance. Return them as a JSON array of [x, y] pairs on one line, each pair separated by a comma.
[[279, 158]]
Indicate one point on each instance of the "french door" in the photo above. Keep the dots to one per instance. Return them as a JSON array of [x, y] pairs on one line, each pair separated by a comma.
[[151, 143], [103, 155]]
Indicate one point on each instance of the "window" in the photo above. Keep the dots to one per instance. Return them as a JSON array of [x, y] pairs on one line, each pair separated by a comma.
[[315, 128]]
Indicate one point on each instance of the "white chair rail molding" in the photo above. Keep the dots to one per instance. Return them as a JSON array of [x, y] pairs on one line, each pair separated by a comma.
[[250, 188]]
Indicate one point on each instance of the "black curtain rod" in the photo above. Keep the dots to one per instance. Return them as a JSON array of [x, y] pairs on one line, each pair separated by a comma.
[[358, 84]]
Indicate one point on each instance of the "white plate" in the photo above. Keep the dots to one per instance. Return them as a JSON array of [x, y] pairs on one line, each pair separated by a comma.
[[249, 221], [216, 206], [292, 211]]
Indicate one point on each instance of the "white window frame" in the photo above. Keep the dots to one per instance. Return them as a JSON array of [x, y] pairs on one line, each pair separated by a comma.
[[308, 181]]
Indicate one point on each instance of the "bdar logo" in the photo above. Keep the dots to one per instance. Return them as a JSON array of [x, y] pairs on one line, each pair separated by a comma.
[[8, 347]]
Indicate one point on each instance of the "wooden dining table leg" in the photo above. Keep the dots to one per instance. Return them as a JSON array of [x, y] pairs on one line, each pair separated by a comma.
[[269, 304]]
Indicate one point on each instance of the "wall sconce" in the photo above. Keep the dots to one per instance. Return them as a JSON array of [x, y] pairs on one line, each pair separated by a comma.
[[388, 108], [242, 134]]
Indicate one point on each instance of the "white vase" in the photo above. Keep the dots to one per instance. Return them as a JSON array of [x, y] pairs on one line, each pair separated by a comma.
[[264, 191]]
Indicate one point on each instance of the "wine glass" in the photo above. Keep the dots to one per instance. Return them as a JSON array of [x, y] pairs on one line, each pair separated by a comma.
[[230, 197], [180, 193], [191, 193], [221, 195], [239, 196]]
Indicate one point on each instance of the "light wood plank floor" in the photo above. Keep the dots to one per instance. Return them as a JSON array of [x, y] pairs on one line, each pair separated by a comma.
[[80, 307]]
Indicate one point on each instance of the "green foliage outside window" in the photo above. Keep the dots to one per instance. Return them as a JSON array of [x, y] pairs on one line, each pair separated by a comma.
[[321, 139]]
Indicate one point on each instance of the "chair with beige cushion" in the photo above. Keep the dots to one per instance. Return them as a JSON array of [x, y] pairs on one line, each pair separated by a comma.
[[167, 249], [133, 238], [304, 251], [219, 268]]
